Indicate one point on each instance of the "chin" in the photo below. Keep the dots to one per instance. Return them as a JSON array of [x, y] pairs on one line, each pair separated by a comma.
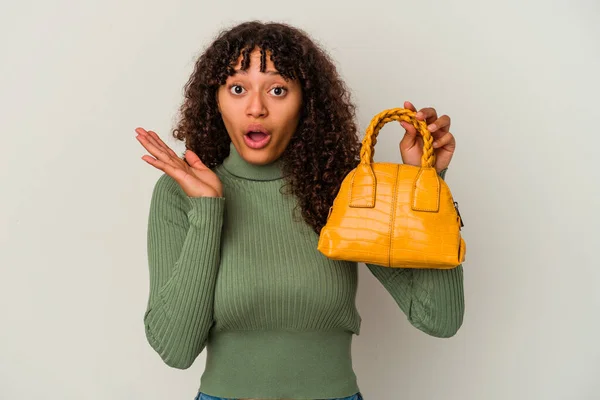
[[259, 157]]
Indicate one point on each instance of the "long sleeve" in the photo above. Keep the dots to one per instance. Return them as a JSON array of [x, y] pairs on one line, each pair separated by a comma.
[[184, 237], [432, 299]]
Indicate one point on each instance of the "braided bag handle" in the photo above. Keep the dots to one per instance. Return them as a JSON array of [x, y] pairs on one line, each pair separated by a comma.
[[396, 114]]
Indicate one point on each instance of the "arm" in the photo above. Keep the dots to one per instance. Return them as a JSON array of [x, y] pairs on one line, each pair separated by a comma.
[[184, 238], [432, 299]]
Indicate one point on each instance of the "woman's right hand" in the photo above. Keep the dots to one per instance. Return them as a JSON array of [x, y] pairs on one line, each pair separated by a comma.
[[196, 179]]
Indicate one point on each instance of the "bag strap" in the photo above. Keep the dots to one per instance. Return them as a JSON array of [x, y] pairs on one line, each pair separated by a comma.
[[396, 114], [363, 194]]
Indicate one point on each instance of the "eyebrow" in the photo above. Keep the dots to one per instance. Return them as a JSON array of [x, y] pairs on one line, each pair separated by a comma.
[[241, 71]]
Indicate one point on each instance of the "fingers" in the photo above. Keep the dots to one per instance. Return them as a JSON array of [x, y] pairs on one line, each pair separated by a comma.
[[411, 137], [194, 160], [153, 148], [155, 145], [410, 129], [164, 158], [447, 140], [442, 124], [176, 173], [156, 141], [427, 114], [162, 144]]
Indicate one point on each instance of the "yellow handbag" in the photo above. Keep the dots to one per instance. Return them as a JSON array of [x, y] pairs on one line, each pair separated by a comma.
[[394, 215]]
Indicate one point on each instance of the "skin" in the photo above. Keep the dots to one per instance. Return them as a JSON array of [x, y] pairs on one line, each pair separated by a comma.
[[260, 97], [267, 98], [444, 143], [196, 179]]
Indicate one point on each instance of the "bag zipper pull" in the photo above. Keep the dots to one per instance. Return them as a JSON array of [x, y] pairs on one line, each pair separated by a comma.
[[459, 216]]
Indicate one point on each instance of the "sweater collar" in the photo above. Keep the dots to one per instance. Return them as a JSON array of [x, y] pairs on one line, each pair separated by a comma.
[[236, 165]]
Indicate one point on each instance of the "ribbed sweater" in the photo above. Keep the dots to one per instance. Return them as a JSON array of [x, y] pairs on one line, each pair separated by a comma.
[[241, 276]]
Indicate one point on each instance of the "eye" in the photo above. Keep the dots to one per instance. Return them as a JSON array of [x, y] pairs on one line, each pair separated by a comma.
[[279, 91], [236, 89]]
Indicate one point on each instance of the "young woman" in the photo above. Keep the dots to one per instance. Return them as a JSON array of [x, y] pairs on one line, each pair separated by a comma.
[[270, 134]]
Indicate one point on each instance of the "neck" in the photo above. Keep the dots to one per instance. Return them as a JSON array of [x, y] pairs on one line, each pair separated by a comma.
[[238, 166]]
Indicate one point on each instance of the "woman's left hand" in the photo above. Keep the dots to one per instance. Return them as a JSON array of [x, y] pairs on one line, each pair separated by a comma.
[[411, 145]]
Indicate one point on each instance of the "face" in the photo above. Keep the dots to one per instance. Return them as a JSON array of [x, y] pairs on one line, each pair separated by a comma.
[[260, 110]]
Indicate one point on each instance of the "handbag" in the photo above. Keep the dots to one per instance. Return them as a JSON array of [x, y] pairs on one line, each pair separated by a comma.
[[394, 215]]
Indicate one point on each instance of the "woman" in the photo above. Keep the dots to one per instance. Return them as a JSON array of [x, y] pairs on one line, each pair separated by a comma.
[[269, 130]]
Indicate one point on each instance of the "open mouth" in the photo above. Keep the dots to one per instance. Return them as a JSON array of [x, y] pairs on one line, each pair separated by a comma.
[[257, 136]]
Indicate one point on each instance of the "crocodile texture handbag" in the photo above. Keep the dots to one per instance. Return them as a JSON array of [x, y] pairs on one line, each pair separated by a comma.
[[394, 215]]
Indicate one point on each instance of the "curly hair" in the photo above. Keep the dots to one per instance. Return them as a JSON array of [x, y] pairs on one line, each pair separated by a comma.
[[325, 146]]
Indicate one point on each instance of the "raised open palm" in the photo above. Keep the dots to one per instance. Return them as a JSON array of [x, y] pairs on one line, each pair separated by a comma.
[[196, 179]]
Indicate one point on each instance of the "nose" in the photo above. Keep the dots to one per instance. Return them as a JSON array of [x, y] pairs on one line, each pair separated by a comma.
[[256, 106]]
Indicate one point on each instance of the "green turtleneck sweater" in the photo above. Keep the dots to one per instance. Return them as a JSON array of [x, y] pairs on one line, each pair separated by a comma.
[[242, 277]]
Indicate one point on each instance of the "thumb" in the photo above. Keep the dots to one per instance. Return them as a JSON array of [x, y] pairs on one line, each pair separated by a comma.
[[410, 136], [194, 160]]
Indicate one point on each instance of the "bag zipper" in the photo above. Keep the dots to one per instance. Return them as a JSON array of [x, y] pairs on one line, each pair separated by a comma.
[[458, 213]]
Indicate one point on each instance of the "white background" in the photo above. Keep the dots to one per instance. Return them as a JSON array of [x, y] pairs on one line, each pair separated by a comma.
[[519, 80]]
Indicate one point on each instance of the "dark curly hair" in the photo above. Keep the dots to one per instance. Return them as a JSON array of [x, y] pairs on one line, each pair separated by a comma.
[[325, 146]]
